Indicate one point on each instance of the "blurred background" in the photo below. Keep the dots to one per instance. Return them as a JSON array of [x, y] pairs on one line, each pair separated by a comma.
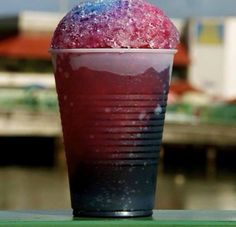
[[197, 168]]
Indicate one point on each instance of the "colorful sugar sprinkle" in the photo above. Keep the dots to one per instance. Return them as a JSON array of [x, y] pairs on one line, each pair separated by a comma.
[[115, 24]]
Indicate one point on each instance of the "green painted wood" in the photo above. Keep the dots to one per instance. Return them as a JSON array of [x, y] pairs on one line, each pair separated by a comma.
[[160, 218]]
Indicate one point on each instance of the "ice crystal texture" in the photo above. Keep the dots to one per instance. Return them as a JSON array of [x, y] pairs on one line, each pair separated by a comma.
[[115, 24]]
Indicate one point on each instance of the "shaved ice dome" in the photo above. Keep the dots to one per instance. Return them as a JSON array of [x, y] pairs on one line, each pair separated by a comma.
[[115, 24]]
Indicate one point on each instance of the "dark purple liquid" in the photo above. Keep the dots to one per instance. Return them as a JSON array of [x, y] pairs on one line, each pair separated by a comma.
[[112, 127]]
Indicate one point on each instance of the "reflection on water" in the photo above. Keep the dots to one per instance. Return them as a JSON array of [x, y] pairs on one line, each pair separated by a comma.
[[33, 188], [47, 188], [187, 192]]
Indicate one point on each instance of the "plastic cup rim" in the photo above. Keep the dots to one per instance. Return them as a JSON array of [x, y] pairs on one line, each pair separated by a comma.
[[113, 50]]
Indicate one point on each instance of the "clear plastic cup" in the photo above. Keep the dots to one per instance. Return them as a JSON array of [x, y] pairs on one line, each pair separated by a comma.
[[112, 105]]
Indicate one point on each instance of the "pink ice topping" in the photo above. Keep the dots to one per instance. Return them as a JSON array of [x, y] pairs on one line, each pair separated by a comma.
[[115, 24]]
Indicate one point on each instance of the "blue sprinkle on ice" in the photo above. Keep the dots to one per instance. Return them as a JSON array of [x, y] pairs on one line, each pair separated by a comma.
[[95, 7]]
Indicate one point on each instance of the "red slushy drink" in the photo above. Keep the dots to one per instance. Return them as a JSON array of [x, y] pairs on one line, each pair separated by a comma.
[[112, 104]]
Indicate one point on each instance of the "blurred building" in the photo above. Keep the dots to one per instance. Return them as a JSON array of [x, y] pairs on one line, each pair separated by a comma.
[[213, 52], [28, 104]]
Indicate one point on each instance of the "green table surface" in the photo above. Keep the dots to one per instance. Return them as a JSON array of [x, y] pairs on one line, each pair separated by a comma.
[[159, 218]]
